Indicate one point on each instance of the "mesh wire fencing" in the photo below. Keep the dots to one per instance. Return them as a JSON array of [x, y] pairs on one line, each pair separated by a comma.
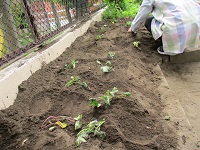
[[26, 23]]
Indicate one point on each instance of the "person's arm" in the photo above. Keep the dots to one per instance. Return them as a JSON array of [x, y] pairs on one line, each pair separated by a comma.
[[145, 9]]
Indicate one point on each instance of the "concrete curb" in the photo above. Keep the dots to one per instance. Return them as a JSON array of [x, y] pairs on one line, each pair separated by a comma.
[[12, 76]]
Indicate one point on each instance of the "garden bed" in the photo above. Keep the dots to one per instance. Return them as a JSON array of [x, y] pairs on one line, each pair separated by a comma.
[[134, 122]]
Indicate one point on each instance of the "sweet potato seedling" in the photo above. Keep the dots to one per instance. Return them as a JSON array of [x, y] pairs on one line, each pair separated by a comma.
[[76, 80], [92, 127], [106, 69], [71, 65], [137, 44], [94, 102], [107, 97], [77, 122]]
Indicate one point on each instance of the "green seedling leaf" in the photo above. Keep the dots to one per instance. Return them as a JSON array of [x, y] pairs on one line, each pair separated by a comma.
[[106, 69], [100, 134], [79, 117], [167, 117], [98, 62], [94, 102], [78, 125], [74, 62], [106, 99], [74, 80], [112, 93], [98, 37], [127, 94], [108, 63], [66, 66], [52, 128], [84, 84], [137, 44], [92, 127], [79, 141], [111, 55]]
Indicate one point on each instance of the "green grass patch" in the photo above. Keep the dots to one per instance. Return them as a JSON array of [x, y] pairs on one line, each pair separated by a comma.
[[130, 9]]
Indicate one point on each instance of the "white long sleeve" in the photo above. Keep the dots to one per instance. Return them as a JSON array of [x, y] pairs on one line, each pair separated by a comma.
[[144, 10]]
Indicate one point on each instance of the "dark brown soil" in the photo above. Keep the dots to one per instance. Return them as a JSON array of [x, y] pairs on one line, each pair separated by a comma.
[[132, 123]]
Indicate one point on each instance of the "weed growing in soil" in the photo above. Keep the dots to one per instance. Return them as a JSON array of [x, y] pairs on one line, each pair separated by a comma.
[[92, 127], [72, 65], [76, 80]]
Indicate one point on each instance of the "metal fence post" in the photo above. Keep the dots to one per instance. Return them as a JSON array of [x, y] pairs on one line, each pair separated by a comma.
[[46, 15], [30, 19], [55, 14]]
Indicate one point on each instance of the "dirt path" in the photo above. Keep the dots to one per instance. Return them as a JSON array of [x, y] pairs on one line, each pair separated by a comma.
[[133, 123], [184, 79]]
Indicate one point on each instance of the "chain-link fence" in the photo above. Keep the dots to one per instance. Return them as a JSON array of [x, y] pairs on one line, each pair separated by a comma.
[[26, 23]]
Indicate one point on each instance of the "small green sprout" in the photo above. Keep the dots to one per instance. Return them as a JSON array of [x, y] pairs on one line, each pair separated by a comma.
[[137, 44], [106, 69], [84, 84], [92, 127], [98, 37], [94, 102], [77, 122], [76, 80], [108, 63], [72, 65], [74, 62], [127, 94], [167, 117], [99, 62], [111, 55], [107, 97]]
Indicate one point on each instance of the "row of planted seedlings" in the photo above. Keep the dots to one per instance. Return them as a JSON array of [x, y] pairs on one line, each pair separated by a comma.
[[93, 127]]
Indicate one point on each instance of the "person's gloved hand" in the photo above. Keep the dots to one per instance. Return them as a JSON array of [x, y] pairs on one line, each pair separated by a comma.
[[130, 31]]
